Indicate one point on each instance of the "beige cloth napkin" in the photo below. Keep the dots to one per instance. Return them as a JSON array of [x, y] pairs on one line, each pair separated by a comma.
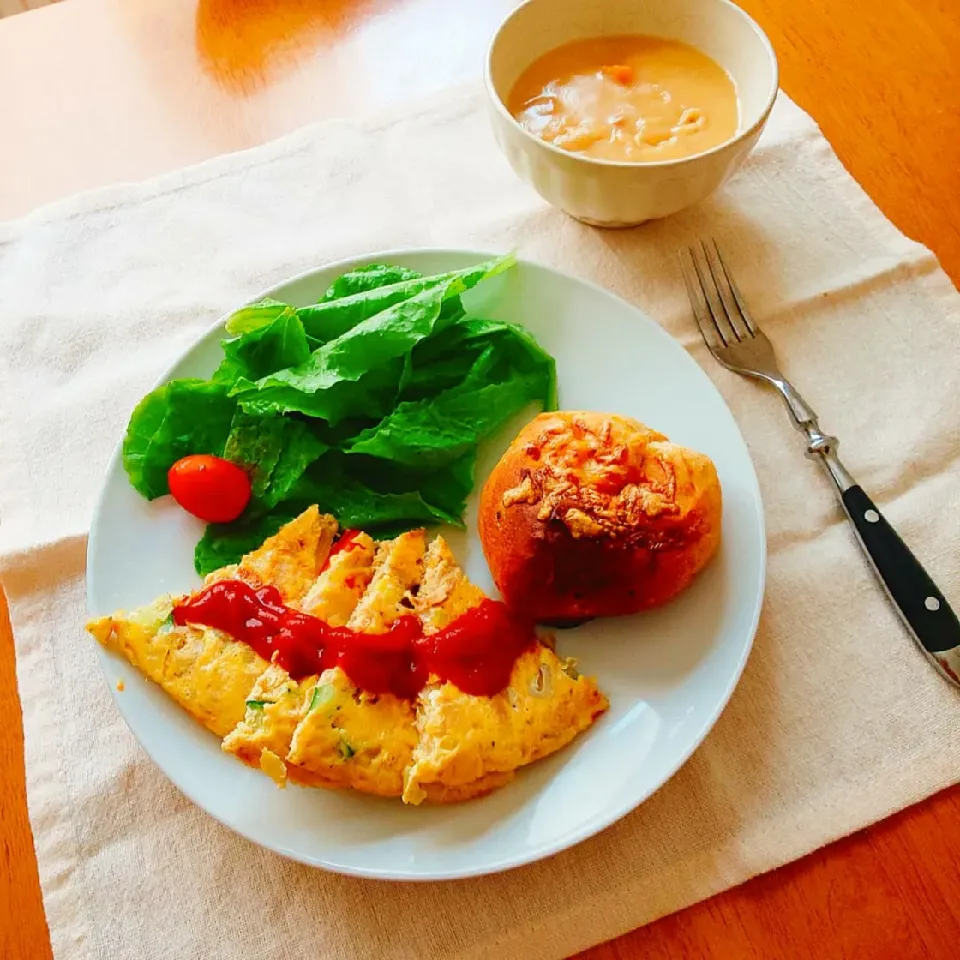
[[838, 720]]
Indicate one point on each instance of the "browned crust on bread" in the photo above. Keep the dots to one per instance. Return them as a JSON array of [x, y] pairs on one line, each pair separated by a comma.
[[590, 514]]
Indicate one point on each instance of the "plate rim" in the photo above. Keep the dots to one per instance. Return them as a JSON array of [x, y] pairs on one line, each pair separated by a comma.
[[592, 826]]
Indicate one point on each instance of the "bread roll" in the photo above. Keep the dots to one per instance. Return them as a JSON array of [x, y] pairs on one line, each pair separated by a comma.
[[593, 515]]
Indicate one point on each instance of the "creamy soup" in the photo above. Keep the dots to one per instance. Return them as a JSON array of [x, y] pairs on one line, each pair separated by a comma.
[[632, 98]]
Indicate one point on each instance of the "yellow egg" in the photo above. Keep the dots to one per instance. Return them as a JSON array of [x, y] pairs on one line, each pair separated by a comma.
[[445, 746]]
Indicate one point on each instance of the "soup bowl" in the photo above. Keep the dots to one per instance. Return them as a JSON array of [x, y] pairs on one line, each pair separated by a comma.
[[619, 194]]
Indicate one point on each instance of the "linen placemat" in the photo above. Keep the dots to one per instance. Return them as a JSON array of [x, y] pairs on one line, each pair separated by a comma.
[[838, 720]]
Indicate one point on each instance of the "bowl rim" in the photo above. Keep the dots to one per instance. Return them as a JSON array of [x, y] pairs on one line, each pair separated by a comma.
[[738, 137]]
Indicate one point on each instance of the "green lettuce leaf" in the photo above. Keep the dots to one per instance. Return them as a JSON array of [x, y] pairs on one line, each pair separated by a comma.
[[255, 443], [330, 319], [447, 489], [359, 370], [438, 430], [303, 448], [254, 316], [370, 403], [259, 351], [339, 485], [510, 371], [180, 418], [440, 362], [444, 489], [275, 452], [515, 346], [370, 277]]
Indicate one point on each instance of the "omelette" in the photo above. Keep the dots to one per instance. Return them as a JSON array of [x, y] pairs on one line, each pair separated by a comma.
[[439, 745], [277, 702], [376, 734], [202, 669], [469, 745]]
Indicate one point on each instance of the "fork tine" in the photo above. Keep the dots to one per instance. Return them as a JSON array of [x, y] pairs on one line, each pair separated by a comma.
[[709, 330], [708, 289], [729, 295], [735, 291], [726, 319]]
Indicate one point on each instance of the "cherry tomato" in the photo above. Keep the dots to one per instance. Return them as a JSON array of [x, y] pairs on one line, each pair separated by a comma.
[[210, 488]]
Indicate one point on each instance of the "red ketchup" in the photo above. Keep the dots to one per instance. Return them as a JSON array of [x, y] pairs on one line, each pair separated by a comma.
[[476, 652], [346, 543]]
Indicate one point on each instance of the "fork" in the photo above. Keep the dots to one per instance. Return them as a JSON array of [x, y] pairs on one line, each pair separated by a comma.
[[738, 343]]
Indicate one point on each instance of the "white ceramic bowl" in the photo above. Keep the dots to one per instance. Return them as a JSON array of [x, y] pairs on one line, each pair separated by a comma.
[[612, 194]]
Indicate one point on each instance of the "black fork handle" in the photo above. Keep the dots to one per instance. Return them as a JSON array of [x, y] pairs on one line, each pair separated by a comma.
[[918, 599], [922, 607]]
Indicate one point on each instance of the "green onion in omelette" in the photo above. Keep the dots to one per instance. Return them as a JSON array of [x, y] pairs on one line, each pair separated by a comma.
[[323, 693]]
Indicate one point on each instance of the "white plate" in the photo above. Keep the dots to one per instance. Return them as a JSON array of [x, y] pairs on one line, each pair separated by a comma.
[[668, 673]]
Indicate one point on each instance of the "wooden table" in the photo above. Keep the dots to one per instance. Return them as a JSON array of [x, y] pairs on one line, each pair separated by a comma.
[[99, 91]]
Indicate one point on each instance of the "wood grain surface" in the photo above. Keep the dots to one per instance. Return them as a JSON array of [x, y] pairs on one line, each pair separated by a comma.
[[99, 91]]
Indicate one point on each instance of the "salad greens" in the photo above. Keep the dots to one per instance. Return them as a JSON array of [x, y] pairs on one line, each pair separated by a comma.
[[370, 403]]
